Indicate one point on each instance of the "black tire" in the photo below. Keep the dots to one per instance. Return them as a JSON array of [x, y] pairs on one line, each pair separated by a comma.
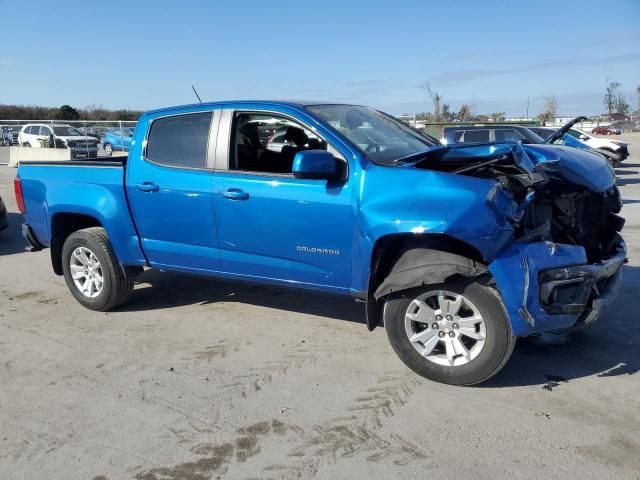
[[104, 147], [494, 355], [116, 285]]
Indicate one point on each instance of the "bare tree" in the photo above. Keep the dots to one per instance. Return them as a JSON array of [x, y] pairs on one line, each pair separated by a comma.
[[497, 116], [611, 96], [638, 95], [436, 98], [549, 110]]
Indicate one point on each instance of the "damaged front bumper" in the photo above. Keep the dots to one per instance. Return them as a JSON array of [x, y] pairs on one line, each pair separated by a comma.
[[547, 286]]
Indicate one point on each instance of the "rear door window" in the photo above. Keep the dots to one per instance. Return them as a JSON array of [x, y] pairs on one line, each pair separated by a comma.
[[180, 140], [502, 134], [476, 136]]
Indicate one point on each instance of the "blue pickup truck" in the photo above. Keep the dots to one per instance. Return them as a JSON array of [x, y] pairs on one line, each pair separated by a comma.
[[457, 250]]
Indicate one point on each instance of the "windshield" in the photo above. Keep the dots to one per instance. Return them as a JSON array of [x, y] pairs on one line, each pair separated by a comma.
[[67, 132], [379, 136]]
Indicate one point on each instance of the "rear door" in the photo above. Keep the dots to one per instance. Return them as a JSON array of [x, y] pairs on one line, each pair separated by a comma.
[[169, 188]]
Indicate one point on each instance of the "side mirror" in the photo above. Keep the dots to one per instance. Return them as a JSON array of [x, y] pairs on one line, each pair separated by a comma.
[[314, 164], [584, 137]]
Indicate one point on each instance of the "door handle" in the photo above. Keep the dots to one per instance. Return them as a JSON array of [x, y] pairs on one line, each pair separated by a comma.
[[148, 187], [235, 194]]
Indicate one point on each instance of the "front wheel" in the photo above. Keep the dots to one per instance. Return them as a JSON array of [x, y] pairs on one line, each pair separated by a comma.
[[455, 332], [92, 272], [108, 149]]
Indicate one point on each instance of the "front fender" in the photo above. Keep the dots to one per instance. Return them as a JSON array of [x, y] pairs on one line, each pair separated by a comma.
[[422, 202]]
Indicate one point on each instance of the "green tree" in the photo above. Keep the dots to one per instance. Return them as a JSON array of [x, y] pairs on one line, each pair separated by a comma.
[[621, 104], [465, 112], [611, 96], [67, 112], [446, 113]]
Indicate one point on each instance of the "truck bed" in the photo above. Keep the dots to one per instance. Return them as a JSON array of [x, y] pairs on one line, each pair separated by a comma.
[[91, 188], [83, 162]]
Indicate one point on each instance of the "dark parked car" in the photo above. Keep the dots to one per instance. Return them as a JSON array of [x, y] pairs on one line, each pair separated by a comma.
[[567, 136], [4, 219], [94, 132], [489, 133], [626, 126], [9, 135]]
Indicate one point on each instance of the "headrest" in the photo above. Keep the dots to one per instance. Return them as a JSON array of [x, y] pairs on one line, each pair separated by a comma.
[[353, 119], [297, 136]]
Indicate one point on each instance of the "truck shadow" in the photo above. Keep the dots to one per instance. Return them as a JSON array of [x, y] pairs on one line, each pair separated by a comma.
[[624, 181], [11, 241], [173, 289], [607, 348]]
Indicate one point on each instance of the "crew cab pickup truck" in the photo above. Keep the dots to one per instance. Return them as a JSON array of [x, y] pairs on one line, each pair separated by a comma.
[[457, 250]]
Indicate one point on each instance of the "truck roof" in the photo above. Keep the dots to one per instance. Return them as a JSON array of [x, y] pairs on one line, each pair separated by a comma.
[[241, 103]]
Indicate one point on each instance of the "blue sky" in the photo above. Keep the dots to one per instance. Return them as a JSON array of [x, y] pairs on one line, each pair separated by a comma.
[[145, 54]]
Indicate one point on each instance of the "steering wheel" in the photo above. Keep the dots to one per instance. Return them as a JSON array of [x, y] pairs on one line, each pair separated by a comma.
[[372, 148]]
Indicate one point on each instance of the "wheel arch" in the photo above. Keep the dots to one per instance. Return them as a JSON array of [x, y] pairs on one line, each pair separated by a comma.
[[422, 259], [62, 225]]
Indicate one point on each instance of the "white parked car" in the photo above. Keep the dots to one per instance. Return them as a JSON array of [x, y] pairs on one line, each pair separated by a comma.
[[615, 146], [61, 136], [615, 150]]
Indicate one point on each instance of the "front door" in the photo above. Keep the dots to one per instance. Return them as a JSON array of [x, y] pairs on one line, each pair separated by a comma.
[[272, 225], [169, 188]]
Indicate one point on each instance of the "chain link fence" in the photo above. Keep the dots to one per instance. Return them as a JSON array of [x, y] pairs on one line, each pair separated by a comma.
[[117, 130]]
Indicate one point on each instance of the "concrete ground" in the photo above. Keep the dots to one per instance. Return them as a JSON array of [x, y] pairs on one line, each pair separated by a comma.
[[198, 379]]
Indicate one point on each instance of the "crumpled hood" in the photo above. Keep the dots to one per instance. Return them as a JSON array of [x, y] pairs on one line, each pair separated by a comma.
[[577, 166], [580, 167]]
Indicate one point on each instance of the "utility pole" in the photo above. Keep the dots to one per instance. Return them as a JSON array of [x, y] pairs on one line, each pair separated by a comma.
[[527, 115]]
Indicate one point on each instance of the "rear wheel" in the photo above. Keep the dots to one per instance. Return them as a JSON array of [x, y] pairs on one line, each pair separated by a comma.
[[92, 272], [108, 149], [455, 332]]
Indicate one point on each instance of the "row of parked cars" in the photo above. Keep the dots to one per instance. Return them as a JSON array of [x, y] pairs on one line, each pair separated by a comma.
[[83, 141], [614, 150]]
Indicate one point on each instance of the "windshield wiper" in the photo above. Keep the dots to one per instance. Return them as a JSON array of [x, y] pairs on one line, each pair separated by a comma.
[[413, 156]]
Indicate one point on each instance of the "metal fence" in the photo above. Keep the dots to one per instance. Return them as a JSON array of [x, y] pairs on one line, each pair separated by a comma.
[[74, 123], [91, 128]]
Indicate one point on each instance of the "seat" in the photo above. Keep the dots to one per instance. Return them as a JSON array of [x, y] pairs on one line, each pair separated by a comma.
[[297, 141], [247, 145]]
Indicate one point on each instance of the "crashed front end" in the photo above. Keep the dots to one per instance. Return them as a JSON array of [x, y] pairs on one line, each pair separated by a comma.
[[563, 266]]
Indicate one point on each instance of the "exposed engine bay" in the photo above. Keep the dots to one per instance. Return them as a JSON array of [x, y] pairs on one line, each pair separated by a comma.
[[552, 201]]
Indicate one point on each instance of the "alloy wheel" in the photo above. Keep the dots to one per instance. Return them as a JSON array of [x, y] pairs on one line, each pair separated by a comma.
[[445, 328], [86, 272]]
